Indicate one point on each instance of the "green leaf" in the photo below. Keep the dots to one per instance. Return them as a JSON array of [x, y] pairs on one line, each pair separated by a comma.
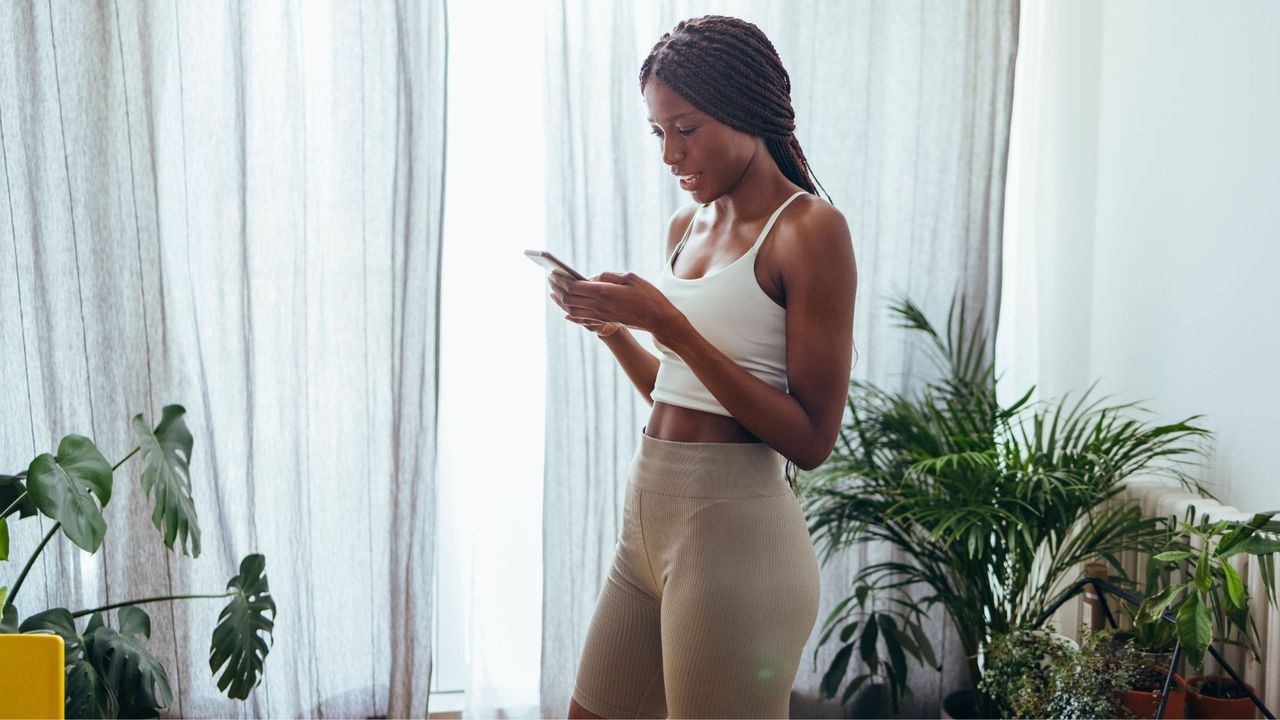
[[167, 452], [4, 540], [134, 675], [847, 631], [835, 673], [88, 695], [9, 616], [1195, 628], [1254, 545], [1172, 556], [1204, 571], [922, 642], [59, 622], [12, 498], [62, 487], [238, 642], [867, 642], [1235, 588], [1153, 607], [853, 687]]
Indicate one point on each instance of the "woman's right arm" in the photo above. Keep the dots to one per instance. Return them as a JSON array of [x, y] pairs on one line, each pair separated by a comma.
[[639, 364]]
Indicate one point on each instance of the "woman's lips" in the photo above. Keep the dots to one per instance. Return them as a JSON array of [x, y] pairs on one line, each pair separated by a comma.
[[689, 182]]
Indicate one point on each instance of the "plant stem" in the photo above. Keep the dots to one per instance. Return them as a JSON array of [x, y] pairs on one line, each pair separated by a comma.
[[14, 504], [126, 457], [128, 603], [27, 568]]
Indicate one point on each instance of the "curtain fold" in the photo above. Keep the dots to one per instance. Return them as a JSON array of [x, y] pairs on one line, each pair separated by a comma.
[[903, 111], [235, 207]]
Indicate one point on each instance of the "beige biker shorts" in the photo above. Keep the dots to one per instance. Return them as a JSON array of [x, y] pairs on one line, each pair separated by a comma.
[[713, 590]]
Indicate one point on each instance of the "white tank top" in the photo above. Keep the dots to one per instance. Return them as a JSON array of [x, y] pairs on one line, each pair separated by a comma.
[[728, 308]]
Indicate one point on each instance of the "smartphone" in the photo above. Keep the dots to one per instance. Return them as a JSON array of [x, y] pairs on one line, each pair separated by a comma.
[[553, 264]]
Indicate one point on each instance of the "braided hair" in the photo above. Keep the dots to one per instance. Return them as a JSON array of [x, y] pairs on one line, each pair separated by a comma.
[[727, 68]]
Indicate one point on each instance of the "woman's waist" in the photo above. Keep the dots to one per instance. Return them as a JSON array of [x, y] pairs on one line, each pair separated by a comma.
[[682, 424], [707, 469]]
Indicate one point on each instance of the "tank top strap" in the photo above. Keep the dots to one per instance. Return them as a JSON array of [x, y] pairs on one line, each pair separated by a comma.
[[676, 250], [774, 218]]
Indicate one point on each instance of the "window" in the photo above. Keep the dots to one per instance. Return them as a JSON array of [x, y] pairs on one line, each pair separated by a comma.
[[488, 594]]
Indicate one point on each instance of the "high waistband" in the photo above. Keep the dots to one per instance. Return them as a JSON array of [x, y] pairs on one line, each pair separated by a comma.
[[709, 470]]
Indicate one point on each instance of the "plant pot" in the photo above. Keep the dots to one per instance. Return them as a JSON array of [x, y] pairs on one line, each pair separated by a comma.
[[961, 705], [1143, 703], [1200, 705], [31, 676]]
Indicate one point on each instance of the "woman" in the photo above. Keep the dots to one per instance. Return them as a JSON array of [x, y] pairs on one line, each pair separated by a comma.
[[714, 588]]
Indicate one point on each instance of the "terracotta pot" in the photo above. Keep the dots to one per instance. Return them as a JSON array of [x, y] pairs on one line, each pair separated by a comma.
[[1143, 703], [1206, 706]]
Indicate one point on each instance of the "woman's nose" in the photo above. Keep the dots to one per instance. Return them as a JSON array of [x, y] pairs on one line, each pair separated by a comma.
[[672, 153]]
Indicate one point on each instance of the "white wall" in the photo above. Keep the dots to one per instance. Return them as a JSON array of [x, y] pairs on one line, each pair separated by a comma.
[[1176, 277]]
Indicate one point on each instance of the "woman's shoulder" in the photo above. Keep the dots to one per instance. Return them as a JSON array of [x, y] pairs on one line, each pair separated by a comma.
[[814, 234], [811, 212]]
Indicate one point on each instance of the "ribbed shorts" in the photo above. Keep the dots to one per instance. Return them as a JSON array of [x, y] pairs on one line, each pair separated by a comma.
[[713, 590]]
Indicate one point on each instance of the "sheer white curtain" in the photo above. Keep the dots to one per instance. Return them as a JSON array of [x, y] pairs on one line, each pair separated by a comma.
[[903, 111], [235, 206]]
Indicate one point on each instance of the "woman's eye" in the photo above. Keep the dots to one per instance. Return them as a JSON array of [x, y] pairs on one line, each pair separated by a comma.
[[683, 132]]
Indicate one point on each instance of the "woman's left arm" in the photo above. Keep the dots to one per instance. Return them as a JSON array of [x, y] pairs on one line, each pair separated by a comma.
[[820, 278]]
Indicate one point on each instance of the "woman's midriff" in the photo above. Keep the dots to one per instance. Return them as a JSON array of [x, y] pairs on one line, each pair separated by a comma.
[[681, 424]]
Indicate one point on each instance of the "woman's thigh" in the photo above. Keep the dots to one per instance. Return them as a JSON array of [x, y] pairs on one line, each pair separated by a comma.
[[739, 602]]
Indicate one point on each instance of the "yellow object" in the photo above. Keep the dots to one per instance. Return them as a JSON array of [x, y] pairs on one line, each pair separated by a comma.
[[31, 676]]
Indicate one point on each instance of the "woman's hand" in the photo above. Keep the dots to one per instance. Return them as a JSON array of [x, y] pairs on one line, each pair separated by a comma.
[[609, 299]]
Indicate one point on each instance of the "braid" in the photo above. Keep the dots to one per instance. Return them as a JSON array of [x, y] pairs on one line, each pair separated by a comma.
[[727, 68]]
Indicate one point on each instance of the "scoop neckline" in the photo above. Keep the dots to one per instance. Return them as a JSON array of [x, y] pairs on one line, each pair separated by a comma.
[[671, 261], [671, 265]]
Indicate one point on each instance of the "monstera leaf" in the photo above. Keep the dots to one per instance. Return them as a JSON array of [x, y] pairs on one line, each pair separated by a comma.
[[13, 499], [63, 488], [125, 665], [11, 496], [238, 641], [167, 452], [87, 693]]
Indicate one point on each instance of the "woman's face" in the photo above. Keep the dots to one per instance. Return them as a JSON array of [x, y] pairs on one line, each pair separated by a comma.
[[695, 144]]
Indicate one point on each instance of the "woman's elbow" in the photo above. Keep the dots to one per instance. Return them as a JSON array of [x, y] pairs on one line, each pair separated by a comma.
[[812, 460]]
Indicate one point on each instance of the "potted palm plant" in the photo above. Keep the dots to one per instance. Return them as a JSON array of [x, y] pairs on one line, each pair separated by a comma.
[[989, 506]]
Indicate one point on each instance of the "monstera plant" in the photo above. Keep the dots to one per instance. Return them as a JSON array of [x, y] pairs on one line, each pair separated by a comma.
[[109, 670]]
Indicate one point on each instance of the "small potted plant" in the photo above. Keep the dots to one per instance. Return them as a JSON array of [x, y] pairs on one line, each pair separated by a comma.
[[1200, 553], [1152, 640], [1142, 697], [1034, 674], [1219, 696], [1017, 671]]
